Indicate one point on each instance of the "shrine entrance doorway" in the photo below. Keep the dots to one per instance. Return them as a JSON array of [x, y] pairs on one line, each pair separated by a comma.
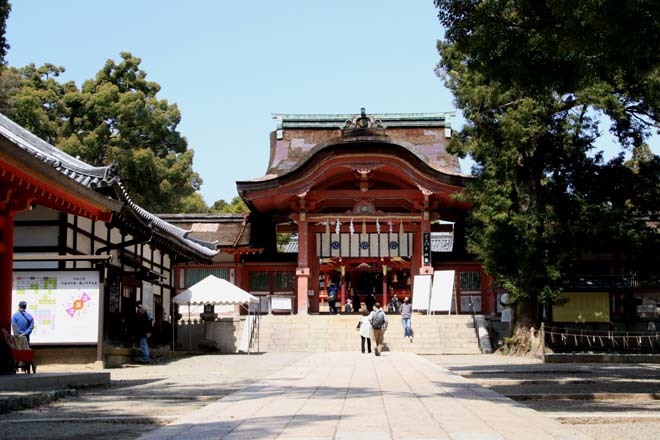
[[366, 280]]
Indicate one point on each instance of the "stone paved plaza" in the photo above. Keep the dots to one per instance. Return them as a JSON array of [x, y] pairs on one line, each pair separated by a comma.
[[355, 396]]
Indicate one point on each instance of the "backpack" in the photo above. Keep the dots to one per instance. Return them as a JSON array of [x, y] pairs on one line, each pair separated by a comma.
[[378, 320]]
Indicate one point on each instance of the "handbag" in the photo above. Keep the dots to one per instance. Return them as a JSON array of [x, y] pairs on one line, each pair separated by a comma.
[[358, 326]]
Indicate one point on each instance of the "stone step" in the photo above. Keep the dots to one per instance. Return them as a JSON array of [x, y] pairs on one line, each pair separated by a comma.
[[433, 334]]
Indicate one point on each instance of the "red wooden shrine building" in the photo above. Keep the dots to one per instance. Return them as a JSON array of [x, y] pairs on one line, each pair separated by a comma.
[[26, 179], [80, 251], [364, 201]]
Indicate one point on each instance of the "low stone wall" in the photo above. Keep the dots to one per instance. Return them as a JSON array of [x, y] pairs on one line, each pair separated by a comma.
[[223, 335], [189, 334], [226, 333], [115, 357], [64, 355]]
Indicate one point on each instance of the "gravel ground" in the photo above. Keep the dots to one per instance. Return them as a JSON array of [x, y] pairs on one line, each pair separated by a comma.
[[141, 397], [605, 401]]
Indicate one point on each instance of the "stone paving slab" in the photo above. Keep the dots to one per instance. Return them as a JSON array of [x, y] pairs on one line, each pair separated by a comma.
[[397, 396]]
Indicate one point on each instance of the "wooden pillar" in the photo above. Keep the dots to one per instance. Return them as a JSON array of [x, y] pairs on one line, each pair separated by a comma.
[[416, 258], [10, 203], [425, 228], [326, 283], [314, 272], [6, 267], [342, 286], [302, 272], [384, 302], [488, 296]]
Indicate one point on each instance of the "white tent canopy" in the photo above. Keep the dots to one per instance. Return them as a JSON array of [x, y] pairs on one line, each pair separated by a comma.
[[216, 291]]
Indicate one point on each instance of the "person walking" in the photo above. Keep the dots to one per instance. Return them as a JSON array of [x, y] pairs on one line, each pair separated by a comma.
[[357, 305], [332, 297], [364, 327], [143, 330], [369, 301], [378, 321], [406, 315], [22, 322]]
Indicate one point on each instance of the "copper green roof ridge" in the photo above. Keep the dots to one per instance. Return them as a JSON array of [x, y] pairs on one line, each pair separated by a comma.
[[344, 116], [392, 120]]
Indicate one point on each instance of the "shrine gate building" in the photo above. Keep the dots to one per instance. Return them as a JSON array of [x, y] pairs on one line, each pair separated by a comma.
[[364, 201]]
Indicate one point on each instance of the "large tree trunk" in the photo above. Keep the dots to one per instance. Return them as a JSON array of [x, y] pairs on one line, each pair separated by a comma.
[[523, 336]]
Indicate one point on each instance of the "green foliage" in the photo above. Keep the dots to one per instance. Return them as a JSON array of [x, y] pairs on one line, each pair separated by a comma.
[[5, 8], [282, 239], [533, 79], [10, 82], [115, 117], [236, 206], [193, 203]]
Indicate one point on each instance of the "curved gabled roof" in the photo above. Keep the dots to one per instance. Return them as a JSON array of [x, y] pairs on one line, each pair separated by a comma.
[[365, 143], [299, 136]]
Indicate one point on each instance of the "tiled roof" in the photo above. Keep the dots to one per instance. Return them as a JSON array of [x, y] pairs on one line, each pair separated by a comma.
[[76, 169], [208, 249], [298, 137], [226, 230]]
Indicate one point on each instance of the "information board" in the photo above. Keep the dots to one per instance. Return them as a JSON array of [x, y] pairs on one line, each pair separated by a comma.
[[421, 292], [64, 304], [443, 289]]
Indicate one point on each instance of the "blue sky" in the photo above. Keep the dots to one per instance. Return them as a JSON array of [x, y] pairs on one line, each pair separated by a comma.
[[229, 65]]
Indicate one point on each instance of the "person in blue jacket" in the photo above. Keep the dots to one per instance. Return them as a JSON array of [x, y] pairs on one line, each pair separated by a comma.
[[22, 322], [332, 297]]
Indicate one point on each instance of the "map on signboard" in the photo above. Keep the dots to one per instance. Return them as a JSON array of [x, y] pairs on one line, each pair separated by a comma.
[[64, 304]]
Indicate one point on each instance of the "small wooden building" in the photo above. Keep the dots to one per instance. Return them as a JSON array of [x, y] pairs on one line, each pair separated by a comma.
[[83, 252]]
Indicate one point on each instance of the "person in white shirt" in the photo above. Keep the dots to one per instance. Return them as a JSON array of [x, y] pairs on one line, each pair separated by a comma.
[[365, 330]]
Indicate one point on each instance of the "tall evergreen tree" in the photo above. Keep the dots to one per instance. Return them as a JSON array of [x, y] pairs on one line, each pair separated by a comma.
[[5, 9], [534, 80], [115, 117]]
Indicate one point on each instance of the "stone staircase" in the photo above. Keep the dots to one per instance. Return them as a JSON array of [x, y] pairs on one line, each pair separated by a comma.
[[440, 334]]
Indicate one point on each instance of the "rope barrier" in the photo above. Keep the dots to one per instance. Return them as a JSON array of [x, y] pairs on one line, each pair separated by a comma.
[[580, 336]]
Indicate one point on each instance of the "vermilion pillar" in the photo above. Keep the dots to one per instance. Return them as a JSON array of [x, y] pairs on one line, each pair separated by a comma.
[[384, 302], [425, 228], [6, 266], [302, 272]]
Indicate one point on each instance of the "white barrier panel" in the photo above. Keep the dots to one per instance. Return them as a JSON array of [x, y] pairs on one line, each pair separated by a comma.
[[421, 292], [442, 291]]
